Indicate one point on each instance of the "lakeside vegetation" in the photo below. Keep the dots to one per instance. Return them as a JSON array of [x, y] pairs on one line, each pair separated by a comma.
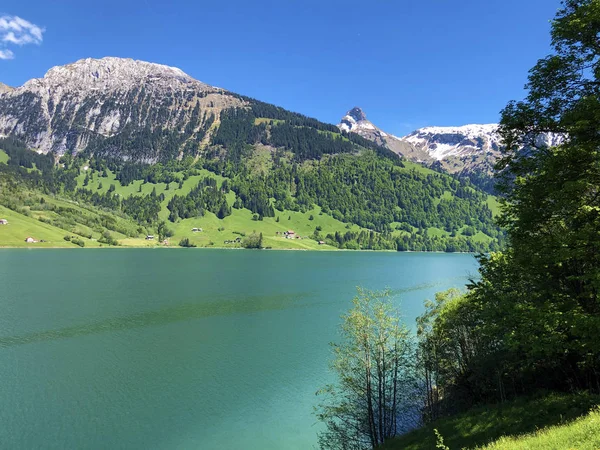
[[529, 325]]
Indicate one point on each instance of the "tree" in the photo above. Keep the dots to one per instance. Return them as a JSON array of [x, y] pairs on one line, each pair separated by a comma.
[[552, 205], [163, 231], [374, 398], [253, 240], [185, 242]]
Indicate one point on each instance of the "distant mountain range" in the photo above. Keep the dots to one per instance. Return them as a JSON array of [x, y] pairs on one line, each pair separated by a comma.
[[467, 150]]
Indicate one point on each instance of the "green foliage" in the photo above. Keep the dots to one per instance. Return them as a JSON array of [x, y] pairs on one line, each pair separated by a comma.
[[185, 242], [254, 240], [107, 238], [206, 196], [374, 397], [531, 322]]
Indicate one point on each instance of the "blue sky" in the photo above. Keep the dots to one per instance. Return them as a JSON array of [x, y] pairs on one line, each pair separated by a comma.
[[407, 63]]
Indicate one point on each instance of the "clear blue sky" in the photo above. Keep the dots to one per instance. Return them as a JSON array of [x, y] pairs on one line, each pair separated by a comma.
[[407, 63]]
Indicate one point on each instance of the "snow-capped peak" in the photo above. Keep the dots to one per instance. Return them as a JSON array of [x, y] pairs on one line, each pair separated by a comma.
[[355, 120], [443, 142]]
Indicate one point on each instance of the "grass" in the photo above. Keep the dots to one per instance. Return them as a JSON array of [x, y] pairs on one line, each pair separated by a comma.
[[494, 205], [216, 232], [21, 226], [266, 120], [552, 418], [581, 434], [240, 222], [3, 157]]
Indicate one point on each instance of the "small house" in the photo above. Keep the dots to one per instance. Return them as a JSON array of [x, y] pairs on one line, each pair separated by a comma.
[[3, 222], [30, 240], [197, 230], [149, 237], [321, 242]]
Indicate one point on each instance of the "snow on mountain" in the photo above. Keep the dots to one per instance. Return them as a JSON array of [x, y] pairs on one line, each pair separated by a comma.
[[454, 149], [444, 142], [355, 121]]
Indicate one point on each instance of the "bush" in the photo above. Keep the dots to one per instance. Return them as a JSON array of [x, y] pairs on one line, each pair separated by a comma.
[[79, 242], [185, 242], [253, 241]]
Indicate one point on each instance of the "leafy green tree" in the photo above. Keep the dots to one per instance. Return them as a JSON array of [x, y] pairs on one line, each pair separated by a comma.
[[552, 206], [376, 387]]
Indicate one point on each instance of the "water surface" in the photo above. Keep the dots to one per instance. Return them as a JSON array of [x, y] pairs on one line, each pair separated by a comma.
[[186, 349]]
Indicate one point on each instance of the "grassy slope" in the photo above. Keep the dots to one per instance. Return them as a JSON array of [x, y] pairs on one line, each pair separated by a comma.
[[3, 157], [240, 220], [20, 227], [485, 425], [582, 434], [215, 232]]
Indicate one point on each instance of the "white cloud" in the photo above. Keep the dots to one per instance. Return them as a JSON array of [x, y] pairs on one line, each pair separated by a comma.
[[6, 54], [17, 31]]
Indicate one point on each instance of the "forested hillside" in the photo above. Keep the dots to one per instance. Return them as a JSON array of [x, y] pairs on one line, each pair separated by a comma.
[[260, 167]]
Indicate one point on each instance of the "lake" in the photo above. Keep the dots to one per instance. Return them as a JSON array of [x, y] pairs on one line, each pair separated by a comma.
[[184, 349]]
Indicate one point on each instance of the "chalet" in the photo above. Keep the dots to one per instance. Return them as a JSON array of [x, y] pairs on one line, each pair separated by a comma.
[[196, 230], [3, 222], [149, 237], [321, 242], [30, 240], [290, 234]]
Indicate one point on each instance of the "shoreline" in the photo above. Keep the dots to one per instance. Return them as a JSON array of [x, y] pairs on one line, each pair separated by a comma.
[[230, 248]]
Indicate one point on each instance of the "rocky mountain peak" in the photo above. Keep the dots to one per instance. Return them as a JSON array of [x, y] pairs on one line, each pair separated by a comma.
[[357, 114], [110, 73], [91, 100], [356, 120], [4, 88]]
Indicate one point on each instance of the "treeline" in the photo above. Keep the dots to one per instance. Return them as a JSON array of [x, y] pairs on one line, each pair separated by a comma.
[[206, 196], [307, 138]]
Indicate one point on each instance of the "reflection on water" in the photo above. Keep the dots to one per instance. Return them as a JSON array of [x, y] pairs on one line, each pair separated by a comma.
[[164, 316]]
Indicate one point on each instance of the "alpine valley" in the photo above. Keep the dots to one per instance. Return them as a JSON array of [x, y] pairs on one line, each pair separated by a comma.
[[112, 151]]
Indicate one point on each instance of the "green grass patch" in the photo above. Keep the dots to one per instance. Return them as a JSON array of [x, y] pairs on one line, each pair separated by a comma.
[[581, 434], [216, 232], [485, 425], [21, 227], [4, 157], [494, 205], [266, 120]]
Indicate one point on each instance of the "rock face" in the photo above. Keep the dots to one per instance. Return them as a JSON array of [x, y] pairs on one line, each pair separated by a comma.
[[468, 149], [355, 121], [119, 107]]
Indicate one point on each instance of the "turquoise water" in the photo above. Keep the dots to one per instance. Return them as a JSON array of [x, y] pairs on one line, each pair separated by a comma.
[[183, 349]]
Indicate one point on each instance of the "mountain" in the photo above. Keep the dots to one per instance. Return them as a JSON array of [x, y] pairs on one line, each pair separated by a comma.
[[466, 149], [355, 121], [149, 144], [89, 101], [469, 150]]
